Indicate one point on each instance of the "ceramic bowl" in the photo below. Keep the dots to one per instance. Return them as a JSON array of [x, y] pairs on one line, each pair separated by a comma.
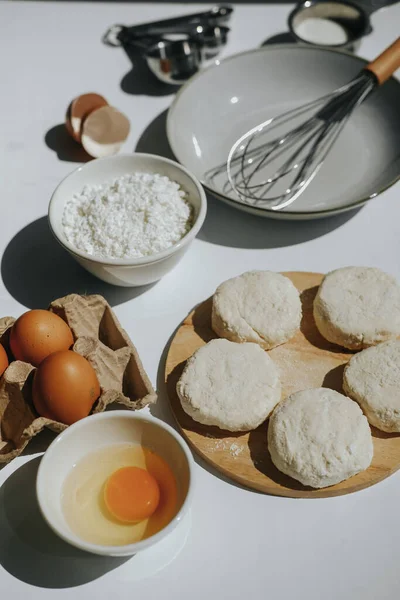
[[132, 271], [236, 94], [351, 18], [93, 433]]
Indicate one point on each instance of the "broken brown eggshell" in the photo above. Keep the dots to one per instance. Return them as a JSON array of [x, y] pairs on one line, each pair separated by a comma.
[[79, 109], [100, 338], [104, 131]]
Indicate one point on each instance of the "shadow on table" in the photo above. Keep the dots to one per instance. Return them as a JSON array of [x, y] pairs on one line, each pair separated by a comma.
[[40, 442], [227, 226], [58, 139], [30, 551], [36, 270], [153, 139], [140, 80], [280, 38]]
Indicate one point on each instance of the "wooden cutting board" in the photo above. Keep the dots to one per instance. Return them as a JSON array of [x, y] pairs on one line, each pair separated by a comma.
[[307, 361]]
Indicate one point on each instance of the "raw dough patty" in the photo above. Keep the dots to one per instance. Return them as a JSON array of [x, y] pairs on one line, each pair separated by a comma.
[[372, 378], [232, 386], [358, 307], [258, 306], [319, 437]]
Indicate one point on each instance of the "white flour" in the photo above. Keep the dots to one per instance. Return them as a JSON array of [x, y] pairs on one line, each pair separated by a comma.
[[225, 445], [129, 217]]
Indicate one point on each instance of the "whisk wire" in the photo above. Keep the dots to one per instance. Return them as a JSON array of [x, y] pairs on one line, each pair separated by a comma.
[[267, 185], [323, 143], [275, 122], [308, 143]]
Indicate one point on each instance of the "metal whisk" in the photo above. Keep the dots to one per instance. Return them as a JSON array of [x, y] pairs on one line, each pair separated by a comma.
[[273, 170]]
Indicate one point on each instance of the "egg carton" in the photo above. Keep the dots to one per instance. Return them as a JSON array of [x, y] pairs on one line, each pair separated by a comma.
[[98, 337]]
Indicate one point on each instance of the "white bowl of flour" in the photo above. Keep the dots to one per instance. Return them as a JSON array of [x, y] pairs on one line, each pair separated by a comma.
[[128, 219]]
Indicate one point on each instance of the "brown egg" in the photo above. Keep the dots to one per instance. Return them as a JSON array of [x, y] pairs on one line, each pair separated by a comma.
[[3, 360], [37, 334], [65, 387]]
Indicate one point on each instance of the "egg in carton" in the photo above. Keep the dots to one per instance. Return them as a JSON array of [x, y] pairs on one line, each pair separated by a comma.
[[98, 337]]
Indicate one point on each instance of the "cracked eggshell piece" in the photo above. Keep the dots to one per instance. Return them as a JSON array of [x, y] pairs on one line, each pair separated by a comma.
[[79, 109], [68, 125], [104, 132]]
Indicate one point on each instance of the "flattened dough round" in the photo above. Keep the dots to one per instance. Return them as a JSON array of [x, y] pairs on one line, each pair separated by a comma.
[[372, 378], [258, 306], [232, 386], [358, 307], [319, 437]]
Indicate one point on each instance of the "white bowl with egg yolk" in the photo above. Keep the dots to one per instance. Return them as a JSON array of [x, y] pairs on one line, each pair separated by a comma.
[[99, 431]]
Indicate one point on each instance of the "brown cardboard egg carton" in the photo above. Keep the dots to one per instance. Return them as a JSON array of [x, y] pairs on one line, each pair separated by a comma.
[[98, 337]]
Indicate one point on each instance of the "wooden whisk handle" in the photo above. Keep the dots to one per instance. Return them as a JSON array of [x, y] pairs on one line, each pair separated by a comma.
[[386, 63]]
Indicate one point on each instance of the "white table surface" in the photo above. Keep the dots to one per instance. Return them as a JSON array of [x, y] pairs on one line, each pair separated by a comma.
[[242, 544]]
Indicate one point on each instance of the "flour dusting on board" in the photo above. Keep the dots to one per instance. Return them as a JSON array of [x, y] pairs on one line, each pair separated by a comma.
[[299, 371], [222, 445], [128, 217]]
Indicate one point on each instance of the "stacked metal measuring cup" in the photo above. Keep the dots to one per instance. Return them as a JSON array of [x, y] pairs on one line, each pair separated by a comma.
[[175, 49]]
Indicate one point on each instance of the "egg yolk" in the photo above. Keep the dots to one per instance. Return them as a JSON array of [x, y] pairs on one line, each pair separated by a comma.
[[131, 494]]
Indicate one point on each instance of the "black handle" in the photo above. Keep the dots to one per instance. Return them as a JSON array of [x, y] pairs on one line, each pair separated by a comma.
[[216, 16]]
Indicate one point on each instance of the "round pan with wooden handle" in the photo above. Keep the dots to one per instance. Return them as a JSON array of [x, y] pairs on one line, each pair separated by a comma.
[[289, 162], [386, 63]]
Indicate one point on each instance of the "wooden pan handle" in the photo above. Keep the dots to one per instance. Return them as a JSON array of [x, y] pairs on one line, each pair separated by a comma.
[[386, 63]]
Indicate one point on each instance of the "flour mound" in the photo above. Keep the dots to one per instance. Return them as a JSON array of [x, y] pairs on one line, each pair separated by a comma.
[[319, 437], [129, 217], [258, 306], [232, 386], [358, 307]]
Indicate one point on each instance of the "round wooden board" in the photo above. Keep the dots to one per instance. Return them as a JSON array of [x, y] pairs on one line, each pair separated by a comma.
[[307, 361]]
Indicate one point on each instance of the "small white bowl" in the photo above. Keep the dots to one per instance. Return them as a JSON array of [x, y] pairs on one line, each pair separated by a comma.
[[98, 431], [131, 271]]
